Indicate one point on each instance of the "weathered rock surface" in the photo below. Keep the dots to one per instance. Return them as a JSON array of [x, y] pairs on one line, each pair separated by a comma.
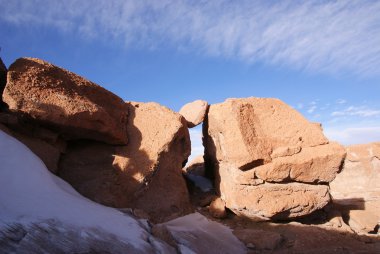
[[247, 131], [252, 142], [146, 174], [61, 99], [3, 80], [194, 112], [265, 201], [356, 190], [310, 165]]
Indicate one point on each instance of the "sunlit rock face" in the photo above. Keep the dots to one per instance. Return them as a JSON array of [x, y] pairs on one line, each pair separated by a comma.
[[58, 98], [268, 161]]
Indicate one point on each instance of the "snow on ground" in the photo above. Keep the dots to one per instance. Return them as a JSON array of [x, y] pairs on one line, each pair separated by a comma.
[[29, 193], [194, 233]]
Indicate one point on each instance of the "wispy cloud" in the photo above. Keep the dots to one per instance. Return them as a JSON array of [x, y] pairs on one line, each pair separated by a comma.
[[320, 36], [311, 109], [341, 101], [357, 135], [361, 111]]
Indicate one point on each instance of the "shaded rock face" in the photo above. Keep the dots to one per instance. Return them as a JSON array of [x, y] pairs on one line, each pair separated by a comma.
[[3, 80], [194, 112], [356, 190], [255, 147], [65, 101], [146, 174]]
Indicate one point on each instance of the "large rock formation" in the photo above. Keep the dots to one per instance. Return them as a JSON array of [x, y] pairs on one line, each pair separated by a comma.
[[65, 101], [194, 112], [255, 147], [356, 190], [3, 80], [145, 174]]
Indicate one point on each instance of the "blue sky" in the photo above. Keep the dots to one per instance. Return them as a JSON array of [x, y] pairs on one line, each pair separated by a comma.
[[321, 57]]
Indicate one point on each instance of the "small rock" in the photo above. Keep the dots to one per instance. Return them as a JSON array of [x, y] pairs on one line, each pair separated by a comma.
[[218, 208], [194, 112]]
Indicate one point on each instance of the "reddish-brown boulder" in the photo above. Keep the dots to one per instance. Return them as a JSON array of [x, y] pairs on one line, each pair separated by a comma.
[[3, 80], [263, 201], [146, 174], [61, 99], [194, 112], [356, 190], [247, 131], [254, 141], [310, 165]]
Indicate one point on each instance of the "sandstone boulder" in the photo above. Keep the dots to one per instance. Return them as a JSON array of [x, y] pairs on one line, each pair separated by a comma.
[[3, 80], [247, 131], [146, 174], [356, 190], [65, 101], [310, 165], [194, 112], [262, 201], [252, 143]]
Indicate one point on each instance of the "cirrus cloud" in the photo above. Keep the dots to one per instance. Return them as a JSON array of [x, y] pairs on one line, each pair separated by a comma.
[[317, 36]]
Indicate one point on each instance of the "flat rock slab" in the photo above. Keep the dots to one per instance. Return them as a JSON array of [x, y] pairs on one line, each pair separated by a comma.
[[273, 201]]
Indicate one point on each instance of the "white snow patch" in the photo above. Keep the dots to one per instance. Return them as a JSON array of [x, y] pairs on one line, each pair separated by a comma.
[[30, 193], [194, 233]]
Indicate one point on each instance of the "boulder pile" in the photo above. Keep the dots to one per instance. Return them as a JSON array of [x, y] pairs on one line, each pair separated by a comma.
[[268, 161], [120, 154]]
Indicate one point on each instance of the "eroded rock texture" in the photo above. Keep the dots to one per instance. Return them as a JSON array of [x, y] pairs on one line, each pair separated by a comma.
[[256, 147], [65, 101], [146, 174]]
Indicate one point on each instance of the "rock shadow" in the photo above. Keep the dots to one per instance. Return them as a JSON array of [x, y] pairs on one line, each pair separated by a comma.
[[107, 174]]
